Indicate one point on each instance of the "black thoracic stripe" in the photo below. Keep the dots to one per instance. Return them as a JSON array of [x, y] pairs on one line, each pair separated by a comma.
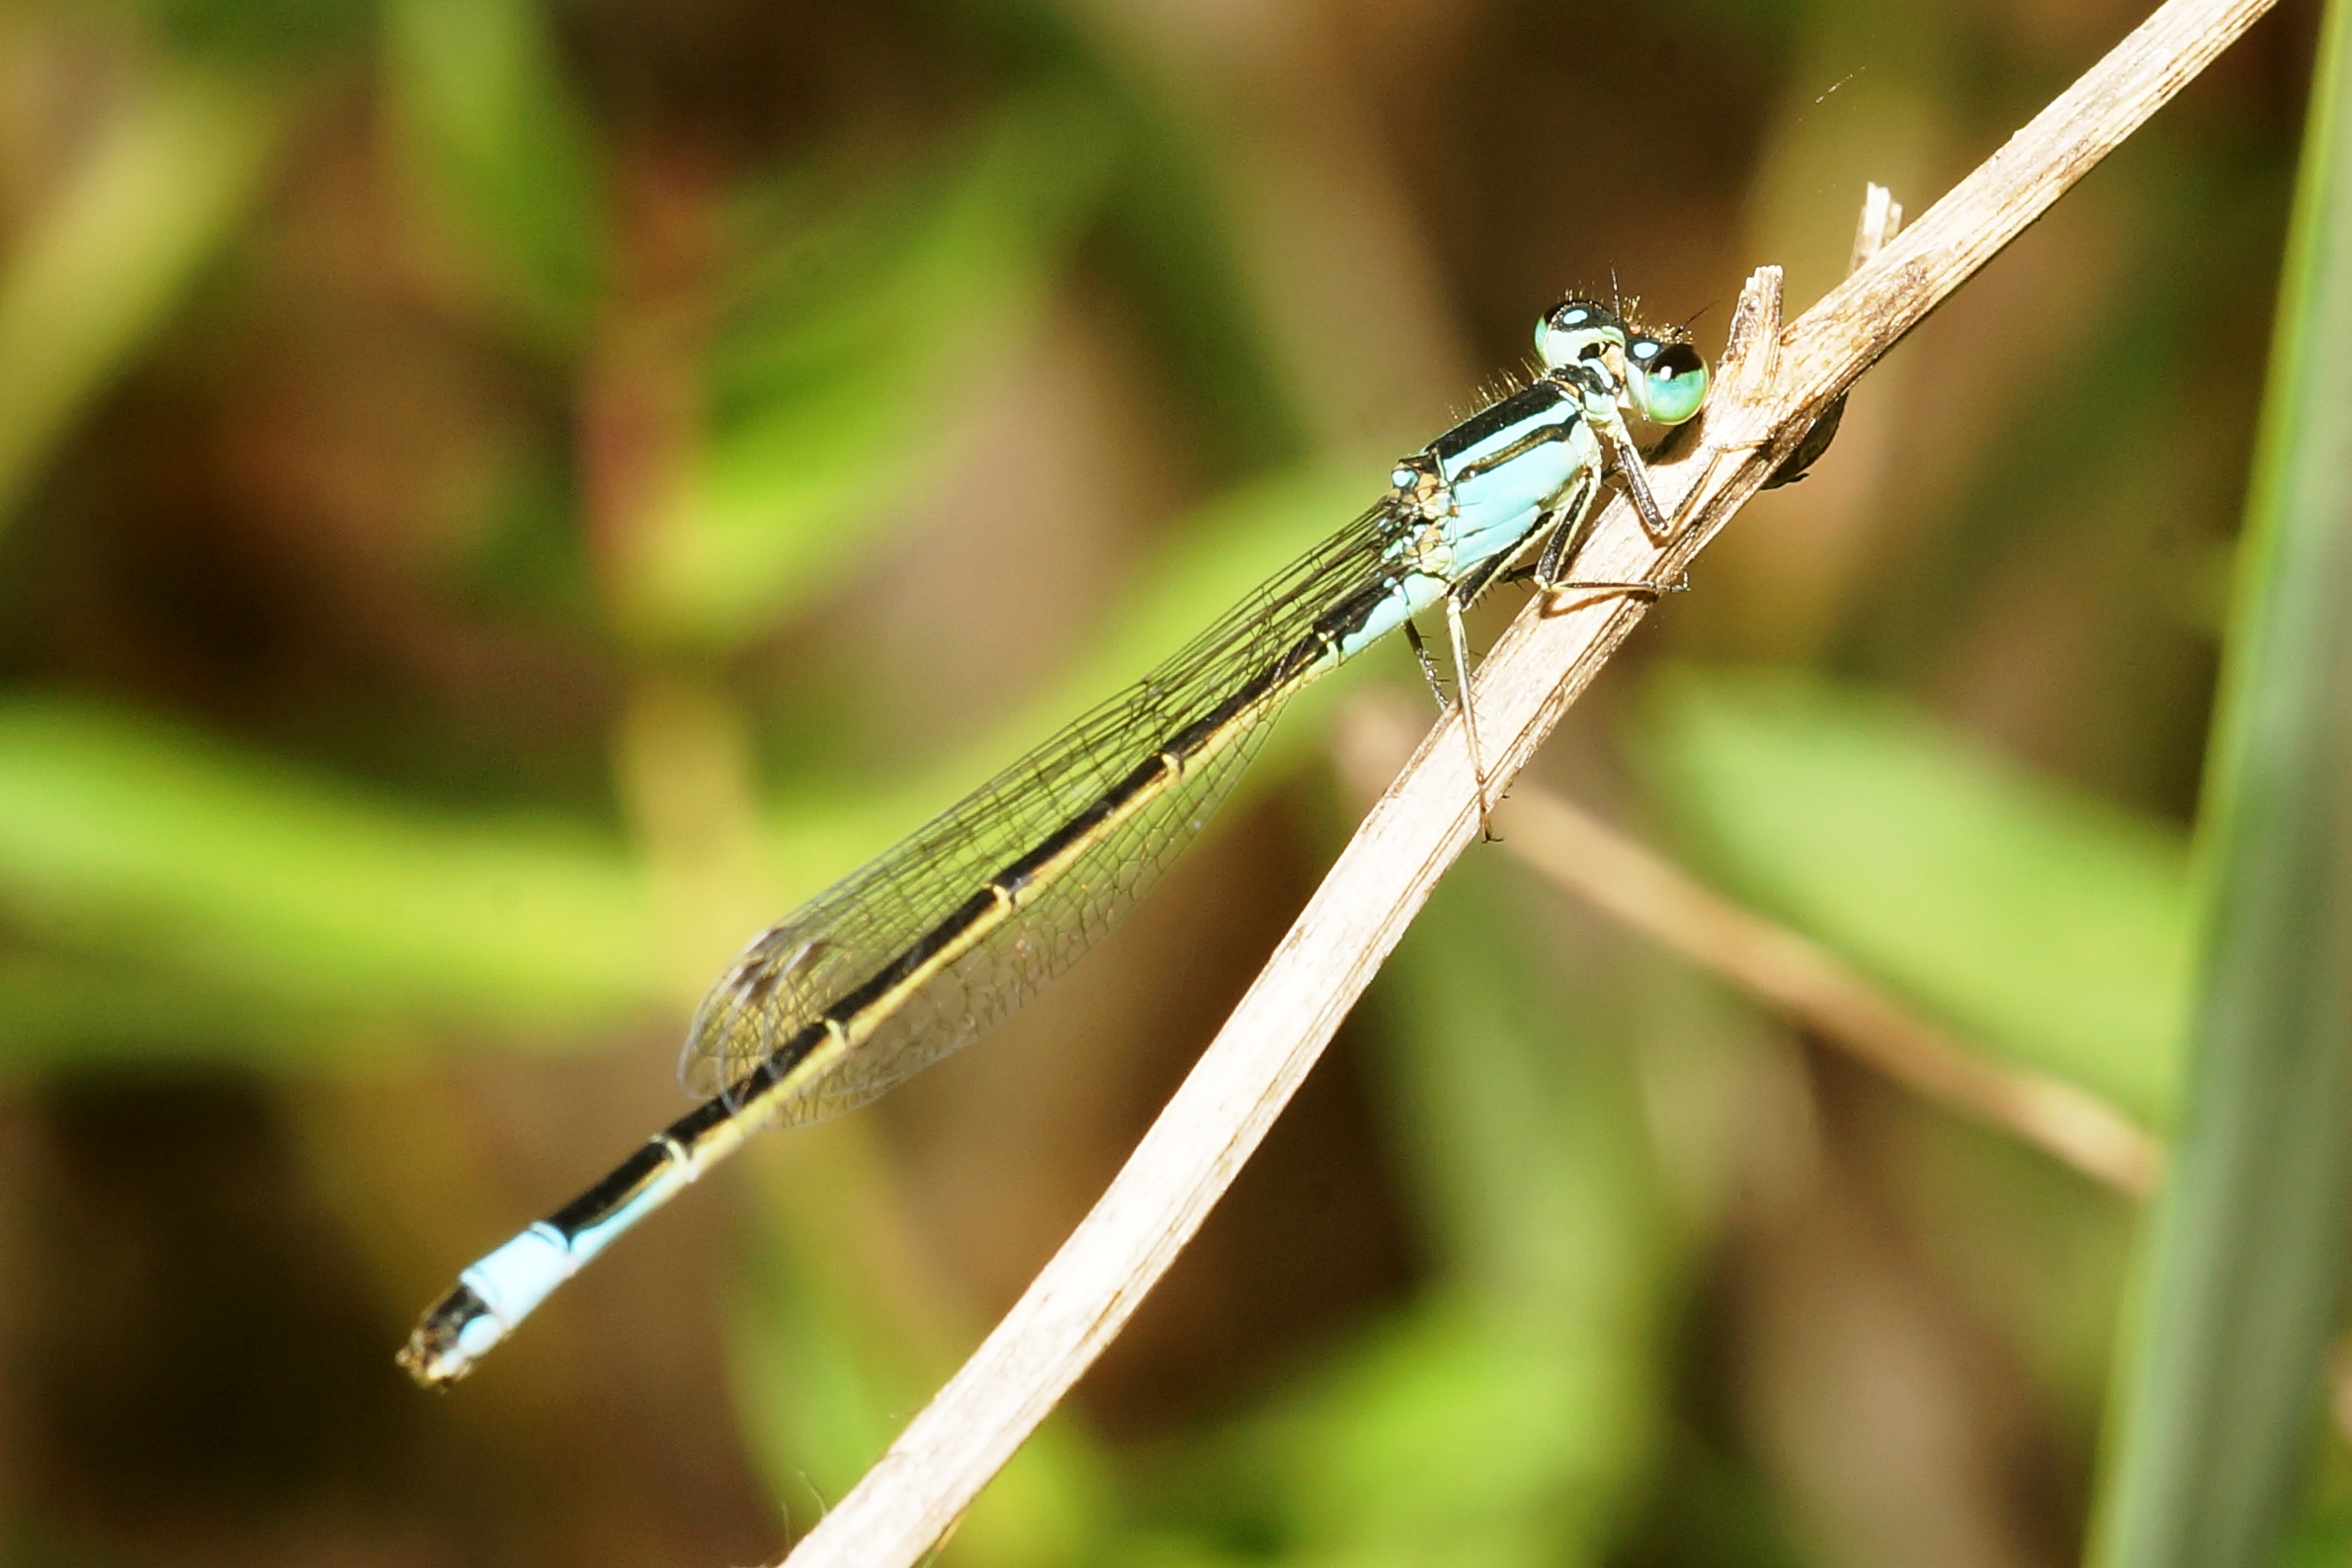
[[1559, 431], [1494, 419]]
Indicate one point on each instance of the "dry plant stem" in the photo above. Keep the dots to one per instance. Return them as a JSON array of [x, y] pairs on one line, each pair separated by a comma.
[[1882, 220], [1813, 986], [1773, 385], [1791, 973]]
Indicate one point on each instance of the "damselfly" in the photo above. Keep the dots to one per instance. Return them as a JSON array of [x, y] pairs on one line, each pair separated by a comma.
[[941, 938]]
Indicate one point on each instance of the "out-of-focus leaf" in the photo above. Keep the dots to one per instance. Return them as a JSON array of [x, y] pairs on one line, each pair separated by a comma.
[[1471, 1438], [256, 31], [490, 132], [103, 262], [172, 855], [2242, 1281], [67, 1008], [851, 347], [2053, 927], [2322, 1537]]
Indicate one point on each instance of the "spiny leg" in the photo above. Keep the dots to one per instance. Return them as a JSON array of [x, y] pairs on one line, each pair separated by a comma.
[[1470, 713], [1560, 542], [1626, 459], [1543, 575], [1649, 590], [1562, 527], [1437, 686]]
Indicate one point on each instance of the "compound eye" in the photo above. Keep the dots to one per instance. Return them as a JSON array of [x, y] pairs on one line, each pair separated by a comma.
[[1571, 332], [1669, 380]]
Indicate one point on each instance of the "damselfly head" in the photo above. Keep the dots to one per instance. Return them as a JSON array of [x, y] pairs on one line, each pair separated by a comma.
[[1578, 329], [1661, 375]]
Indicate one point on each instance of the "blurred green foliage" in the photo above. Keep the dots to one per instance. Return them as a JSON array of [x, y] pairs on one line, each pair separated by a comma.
[[136, 844], [252, 32], [2050, 926], [499, 147], [865, 308], [97, 267]]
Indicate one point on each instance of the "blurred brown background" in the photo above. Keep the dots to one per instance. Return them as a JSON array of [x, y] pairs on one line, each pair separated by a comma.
[[504, 497]]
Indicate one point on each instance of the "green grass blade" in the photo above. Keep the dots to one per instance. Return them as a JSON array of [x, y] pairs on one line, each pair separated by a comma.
[[104, 261], [138, 849], [2051, 927], [488, 133], [2220, 1389], [838, 353]]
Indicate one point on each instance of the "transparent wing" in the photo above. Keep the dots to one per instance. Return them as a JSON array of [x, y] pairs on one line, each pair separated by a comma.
[[791, 974]]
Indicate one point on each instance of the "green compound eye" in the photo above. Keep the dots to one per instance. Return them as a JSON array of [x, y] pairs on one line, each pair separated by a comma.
[[1577, 329], [1669, 380]]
